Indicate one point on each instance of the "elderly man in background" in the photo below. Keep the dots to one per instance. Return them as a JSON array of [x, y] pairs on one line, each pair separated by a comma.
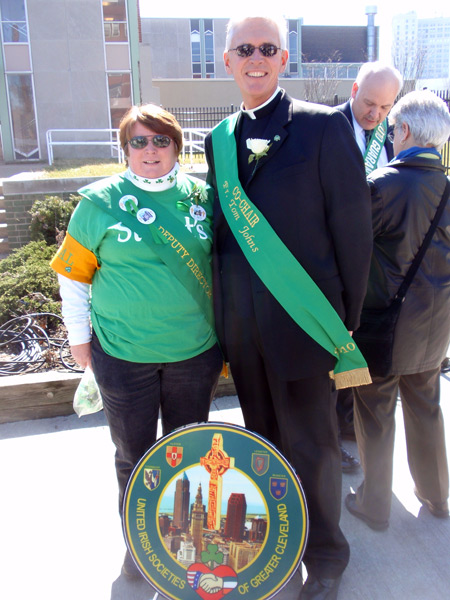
[[292, 245], [373, 94]]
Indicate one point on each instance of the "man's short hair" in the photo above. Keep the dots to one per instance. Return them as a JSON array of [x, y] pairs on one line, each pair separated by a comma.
[[373, 68], [279, 22]]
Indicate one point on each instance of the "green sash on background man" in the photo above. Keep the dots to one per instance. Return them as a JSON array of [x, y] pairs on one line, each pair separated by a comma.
[[375, 146], [278, 269]]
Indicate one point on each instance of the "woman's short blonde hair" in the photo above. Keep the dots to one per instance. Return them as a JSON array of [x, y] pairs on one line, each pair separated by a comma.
[[155, 118]]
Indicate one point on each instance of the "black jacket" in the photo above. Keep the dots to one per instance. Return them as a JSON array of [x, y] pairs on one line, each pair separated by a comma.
[[346, 109], [405, 196], [312, 190]]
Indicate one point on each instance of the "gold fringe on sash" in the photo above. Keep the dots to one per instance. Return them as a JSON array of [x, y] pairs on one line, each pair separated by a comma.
[[351, 378]]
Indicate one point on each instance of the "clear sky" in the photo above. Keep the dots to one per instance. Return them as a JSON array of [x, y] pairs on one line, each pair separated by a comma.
[[313, 12]]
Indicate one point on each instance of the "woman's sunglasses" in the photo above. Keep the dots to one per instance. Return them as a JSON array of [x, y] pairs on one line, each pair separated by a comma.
[[246, 50], [141, 141]]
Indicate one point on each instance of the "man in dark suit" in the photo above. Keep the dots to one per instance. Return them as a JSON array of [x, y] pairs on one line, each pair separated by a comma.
[[373, 94], [292, 160]]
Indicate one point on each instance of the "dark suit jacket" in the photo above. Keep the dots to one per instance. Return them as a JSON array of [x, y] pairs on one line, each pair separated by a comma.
[[312, 190], [345, 108]]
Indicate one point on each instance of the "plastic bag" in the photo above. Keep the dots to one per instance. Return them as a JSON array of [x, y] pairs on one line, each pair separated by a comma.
[[87, 399]]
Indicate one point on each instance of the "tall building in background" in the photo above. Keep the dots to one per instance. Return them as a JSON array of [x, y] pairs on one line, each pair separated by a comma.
[[197, 522], [181, 503], [196, 48], [421, 47], [74, 67], [235, 521], [65, 65]]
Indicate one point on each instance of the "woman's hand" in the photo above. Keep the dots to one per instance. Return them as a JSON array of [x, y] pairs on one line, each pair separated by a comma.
[[82, 354]]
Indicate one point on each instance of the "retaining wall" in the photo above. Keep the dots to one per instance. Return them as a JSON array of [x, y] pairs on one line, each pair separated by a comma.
[[20, 196]]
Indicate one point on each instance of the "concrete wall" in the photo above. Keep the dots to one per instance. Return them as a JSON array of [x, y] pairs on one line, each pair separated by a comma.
[[170, 42], [21, 195], [69, 65], [222, 92]]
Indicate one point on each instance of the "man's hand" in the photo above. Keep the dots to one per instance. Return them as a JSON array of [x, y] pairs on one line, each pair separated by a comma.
[[82, 354]]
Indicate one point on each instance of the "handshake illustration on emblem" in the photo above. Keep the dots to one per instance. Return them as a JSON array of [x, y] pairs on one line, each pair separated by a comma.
[[209, 581]]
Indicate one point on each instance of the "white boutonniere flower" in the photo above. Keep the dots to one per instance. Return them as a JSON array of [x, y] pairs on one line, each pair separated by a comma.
[[259, 148]]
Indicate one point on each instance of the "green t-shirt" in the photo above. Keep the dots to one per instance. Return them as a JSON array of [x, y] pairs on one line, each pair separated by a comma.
[[139, 310]]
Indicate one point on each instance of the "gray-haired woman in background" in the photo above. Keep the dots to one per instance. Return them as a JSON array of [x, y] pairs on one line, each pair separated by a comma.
[[405, 196]]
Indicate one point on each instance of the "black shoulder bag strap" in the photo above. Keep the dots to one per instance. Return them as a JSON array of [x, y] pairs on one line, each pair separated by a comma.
[[401, 293]]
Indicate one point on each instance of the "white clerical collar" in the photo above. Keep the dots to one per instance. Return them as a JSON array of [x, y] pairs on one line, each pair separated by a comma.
[[160, 184], [251, 111]]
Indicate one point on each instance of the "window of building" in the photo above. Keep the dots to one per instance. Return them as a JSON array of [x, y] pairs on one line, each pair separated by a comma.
[[115, 20], [115, 24], [293, 46], [196, 70], [209, 48], [202, 48], [196, 52], [21, 101], [120, 100], [19, 80], [14, 22]]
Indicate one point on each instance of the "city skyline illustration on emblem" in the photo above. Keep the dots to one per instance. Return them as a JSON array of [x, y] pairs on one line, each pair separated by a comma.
[[222, 530]]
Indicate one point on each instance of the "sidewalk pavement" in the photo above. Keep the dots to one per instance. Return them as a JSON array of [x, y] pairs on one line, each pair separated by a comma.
[[61, 535], [24, 169]]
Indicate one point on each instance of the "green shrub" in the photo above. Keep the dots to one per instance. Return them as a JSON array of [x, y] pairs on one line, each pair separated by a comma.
[[27, 283], [50, 218]]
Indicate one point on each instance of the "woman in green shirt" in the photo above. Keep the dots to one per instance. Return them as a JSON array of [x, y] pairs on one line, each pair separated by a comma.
[[135, 281]]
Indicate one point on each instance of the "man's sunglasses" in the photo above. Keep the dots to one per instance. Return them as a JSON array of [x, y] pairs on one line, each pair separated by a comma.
[[246, 50], [141, 141]]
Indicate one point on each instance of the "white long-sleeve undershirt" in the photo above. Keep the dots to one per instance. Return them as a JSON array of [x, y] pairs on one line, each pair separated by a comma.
[[76, 309]]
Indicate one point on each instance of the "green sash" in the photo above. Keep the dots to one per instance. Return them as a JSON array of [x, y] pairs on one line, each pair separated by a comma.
[[177, 248], [375, 146], [279, 270]]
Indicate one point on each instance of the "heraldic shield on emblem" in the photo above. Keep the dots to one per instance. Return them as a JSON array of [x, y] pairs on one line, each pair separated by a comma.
[[213, 510]]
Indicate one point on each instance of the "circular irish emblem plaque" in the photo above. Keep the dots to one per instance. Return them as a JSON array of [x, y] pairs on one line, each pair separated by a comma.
[[214, 510]]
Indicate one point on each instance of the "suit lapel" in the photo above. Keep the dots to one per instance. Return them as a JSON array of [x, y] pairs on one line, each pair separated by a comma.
[[275, 132]]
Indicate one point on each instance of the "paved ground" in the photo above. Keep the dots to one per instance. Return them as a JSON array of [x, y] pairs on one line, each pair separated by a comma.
[[10, 170], [61, 536]]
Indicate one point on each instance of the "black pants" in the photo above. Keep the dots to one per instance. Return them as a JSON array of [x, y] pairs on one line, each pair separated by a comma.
[[133, 394], [299, 417], [344, 409]]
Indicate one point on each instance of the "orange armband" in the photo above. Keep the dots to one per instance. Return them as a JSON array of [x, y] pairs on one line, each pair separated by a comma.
[[74, 261]]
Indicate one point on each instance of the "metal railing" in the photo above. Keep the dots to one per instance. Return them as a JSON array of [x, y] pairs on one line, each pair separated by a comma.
[[194, 141], [113, 141], [201, 116]]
